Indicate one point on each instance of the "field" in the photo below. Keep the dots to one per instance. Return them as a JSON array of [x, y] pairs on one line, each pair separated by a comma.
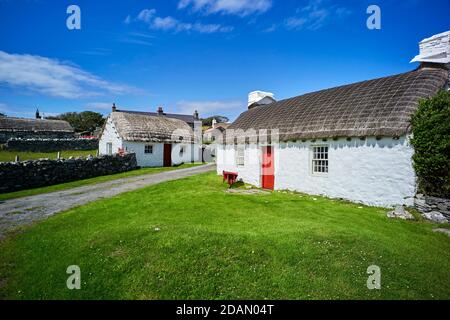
[[192, 239], [6, 156]]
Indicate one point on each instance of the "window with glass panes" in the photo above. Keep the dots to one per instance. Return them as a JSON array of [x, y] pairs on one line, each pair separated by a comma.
[[240, 155], [149, 149], [320, 160], [109, 148]]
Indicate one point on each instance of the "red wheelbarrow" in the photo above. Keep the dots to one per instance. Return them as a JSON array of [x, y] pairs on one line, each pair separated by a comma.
[[230, 177]]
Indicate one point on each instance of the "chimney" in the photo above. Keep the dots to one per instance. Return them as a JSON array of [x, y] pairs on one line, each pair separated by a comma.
[[196, 115], [259, 98], [160, 111], [114, 109], [214, 123], [434, 51], [38, 116]]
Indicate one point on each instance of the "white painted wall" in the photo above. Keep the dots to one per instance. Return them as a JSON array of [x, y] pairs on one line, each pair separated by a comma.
[[372, 172], [156, 159], [109, 135], [192, 153]]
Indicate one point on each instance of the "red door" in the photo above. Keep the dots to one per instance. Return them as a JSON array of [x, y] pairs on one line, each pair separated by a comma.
[[268, 168], [167, 155]]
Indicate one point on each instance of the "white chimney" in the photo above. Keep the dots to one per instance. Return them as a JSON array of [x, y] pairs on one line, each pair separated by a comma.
[[214, 123], [260, 98], [435, 49]]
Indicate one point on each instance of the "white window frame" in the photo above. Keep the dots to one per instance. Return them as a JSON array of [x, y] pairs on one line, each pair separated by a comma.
[[148, 146], [320, 160], [109, 146], [240, 158]]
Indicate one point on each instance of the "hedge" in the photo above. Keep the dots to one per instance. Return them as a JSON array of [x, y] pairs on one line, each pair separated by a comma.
[[431, 141]]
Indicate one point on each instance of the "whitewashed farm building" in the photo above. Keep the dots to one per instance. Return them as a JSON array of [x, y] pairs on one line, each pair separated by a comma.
[[158, 139], [349, 142]]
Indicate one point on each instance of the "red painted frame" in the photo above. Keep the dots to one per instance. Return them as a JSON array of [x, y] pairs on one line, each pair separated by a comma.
[[268, 168]]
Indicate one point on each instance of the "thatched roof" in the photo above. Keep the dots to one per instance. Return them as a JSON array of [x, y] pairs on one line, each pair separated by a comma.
[[34, 125], [380, 107], [183, 117], [146, 128]]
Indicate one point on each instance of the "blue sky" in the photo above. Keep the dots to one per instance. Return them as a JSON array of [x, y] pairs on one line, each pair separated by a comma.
[[199, 54]]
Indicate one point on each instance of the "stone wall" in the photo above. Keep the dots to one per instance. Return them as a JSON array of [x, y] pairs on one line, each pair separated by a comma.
[[432, 208], [51, 145], [16, 176], [7, 135]]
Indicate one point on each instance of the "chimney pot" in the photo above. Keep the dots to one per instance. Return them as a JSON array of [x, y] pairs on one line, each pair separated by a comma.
[[259, 98], [196, 116], [434, 50], [160, 111], [114, 109]]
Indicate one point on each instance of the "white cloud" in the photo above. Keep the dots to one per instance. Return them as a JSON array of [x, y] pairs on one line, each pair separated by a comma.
[[172, 24], [272, 28], [52, 77], [314, 15], [233, 7], [127, 20], [295, 23], [138, 38], [146, 15], [206, 108], [166, 23]]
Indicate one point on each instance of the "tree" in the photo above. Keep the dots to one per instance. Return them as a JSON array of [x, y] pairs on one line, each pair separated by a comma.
[[86, 121], [219, 119], [431, 141]]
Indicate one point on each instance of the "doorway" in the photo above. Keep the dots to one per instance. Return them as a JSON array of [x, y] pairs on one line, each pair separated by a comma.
[[167, 155], [268, 168]]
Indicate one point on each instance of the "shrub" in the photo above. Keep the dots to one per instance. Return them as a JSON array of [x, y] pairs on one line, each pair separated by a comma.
[[431, 141]]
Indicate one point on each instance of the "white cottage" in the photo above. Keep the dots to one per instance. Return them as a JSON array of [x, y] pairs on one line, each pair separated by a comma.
[[349, 142], [158, 139]]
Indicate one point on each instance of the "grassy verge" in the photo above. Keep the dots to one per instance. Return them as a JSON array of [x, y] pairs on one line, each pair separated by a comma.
[[191, 239], [85, 182], [6, 156]]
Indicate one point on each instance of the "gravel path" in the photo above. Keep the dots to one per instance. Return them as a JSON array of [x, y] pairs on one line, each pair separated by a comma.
[[23, 211]]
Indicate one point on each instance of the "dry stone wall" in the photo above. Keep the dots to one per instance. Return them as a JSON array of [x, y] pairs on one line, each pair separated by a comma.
[[7, 135], [433, 208], [15, 176], [51, 145]]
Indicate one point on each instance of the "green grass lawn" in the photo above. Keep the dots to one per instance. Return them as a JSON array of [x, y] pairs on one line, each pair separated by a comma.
[[216, 245], [85, 182], [6, 156]]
